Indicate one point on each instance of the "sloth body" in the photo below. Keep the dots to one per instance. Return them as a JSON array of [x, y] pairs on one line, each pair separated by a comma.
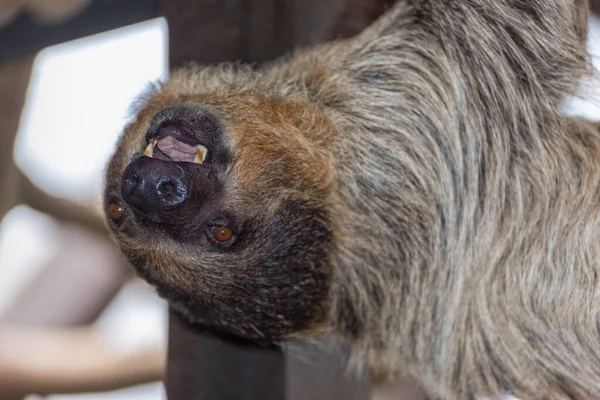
[[414, 190]]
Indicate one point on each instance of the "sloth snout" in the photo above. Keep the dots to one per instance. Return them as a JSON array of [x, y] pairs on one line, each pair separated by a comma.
[[151, 185]]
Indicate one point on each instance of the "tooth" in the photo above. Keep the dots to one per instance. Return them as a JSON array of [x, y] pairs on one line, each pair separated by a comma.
[[150, 148], [200, 154]]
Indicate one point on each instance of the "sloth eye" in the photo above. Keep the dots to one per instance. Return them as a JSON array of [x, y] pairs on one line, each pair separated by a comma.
[[115, 211], [221, 233]]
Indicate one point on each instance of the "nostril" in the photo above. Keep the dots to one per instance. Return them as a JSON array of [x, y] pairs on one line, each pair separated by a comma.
[[167, 188], [171, 191]]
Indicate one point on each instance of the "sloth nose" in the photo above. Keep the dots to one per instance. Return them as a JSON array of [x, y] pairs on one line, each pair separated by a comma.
[[149, 185]]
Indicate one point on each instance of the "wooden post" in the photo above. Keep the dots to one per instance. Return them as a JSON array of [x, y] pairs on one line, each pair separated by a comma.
[[202, 364]]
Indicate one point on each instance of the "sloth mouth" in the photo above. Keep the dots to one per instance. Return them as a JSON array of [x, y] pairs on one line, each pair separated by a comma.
[[172, 144]]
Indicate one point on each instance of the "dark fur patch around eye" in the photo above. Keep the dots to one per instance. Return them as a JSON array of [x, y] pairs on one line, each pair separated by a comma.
[[277, 285]]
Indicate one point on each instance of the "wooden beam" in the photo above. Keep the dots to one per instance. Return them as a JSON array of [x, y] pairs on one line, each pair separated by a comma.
[[205, 365], [202, 364], [259, 30], [318, 371]]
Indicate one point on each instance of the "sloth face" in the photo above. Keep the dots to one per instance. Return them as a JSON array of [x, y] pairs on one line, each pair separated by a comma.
[[220, 202]]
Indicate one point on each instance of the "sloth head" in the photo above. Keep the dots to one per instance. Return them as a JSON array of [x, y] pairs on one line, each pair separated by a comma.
[[219, 199]]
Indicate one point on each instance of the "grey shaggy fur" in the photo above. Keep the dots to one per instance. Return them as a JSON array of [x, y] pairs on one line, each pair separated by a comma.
[[466, 207]]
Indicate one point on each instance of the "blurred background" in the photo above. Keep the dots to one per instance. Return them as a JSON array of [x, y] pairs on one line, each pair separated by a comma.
[[73, 318]]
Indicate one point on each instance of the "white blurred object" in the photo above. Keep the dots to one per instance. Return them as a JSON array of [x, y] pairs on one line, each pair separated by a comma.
[[136, 319], [77, 105], [588, 105], [27, 243]]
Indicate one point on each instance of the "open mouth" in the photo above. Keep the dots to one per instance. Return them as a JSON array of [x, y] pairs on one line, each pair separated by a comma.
[[172, 144]]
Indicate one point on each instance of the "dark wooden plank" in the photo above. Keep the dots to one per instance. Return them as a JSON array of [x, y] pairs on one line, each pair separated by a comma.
[[206, 365], [227, 30], [318, 371], [25, 36], [203, 365], [260, 30]]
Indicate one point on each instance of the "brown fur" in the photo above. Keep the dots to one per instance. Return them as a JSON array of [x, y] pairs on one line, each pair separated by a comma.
[[444, 214]]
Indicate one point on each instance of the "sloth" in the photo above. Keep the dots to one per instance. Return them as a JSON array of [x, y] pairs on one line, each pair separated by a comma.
[[415, 190]]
